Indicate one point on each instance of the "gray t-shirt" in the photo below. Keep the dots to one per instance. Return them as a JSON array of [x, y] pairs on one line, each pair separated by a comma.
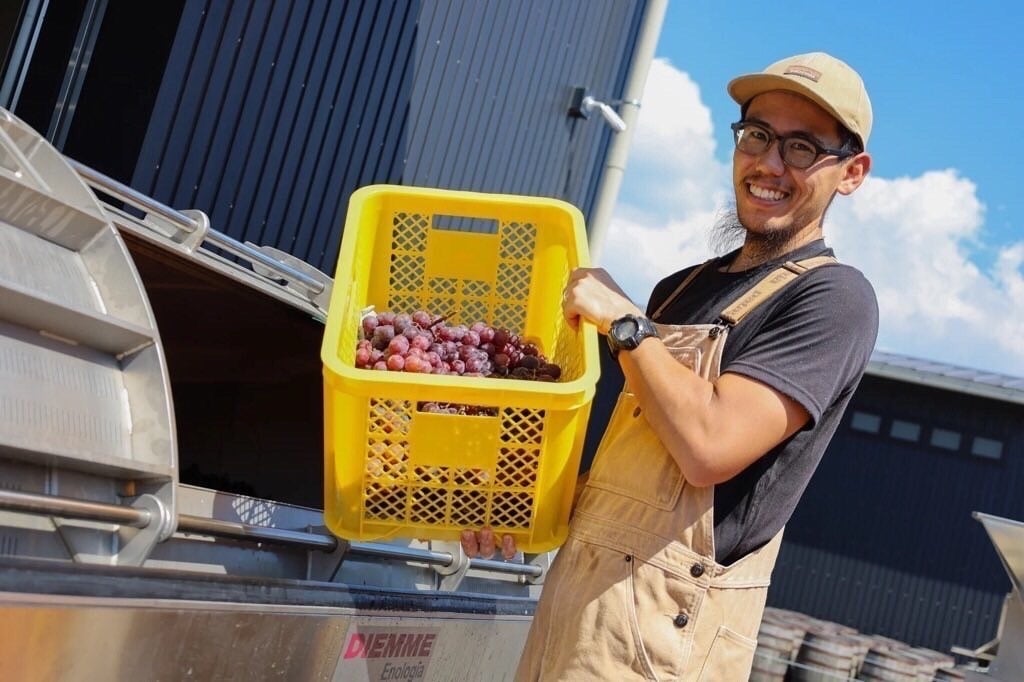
[[810, 341]]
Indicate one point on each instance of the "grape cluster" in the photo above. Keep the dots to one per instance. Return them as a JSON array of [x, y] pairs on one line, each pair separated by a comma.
[[420, 342], [455, 408]]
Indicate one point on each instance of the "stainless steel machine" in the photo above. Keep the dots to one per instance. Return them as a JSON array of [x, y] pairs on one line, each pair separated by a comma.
[[1006, 653], [137, 342]]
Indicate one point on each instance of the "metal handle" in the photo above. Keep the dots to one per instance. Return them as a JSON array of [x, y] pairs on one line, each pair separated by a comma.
[[69, 508], [122, 191], [119, 190]]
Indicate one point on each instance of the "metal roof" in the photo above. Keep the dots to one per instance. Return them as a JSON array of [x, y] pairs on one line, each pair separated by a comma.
[[950, 377]]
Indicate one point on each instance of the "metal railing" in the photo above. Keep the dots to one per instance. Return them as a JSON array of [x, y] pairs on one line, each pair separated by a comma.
[[70, 508], [147, 204]]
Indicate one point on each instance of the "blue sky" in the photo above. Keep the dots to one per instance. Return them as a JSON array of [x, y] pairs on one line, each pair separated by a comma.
[[942, 80], [937, 228]]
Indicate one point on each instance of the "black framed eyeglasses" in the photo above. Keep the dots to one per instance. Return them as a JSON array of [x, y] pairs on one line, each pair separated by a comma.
[[798, 151]]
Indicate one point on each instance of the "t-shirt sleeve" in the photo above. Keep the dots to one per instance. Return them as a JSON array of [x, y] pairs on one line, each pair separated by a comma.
[[817, 341]]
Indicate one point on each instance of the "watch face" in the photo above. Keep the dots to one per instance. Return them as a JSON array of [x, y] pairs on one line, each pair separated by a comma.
[[625, 329]]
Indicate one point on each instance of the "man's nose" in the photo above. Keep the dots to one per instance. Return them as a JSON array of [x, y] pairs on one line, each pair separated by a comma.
[[770, 160]]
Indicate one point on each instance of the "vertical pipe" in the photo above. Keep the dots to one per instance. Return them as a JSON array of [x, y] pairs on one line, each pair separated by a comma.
[[618, 150]]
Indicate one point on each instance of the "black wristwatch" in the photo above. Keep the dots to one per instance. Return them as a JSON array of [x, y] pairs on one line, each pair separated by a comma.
[[628, 331]]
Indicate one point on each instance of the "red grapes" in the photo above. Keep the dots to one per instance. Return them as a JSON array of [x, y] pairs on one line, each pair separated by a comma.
[[424, 343]]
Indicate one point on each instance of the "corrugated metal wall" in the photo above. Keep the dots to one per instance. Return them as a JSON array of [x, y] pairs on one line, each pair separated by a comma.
[[883, 539], [271, 114], [489, 104], [267, 109], [877, 598]]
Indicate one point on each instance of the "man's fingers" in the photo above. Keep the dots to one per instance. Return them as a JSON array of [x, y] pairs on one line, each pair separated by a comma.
[[482, 543], [469, 543], [486, 539], [508, 546]]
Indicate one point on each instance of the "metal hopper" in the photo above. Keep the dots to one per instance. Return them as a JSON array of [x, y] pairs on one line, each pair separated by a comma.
[[1008, 538]]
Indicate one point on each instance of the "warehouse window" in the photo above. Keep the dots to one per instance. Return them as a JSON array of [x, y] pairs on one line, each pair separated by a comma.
[[986, 447], [868, 423], [945, 439], [903, 430]]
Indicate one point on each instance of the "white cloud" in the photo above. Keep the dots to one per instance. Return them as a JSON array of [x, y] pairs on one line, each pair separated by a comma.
[[913, 237], [672, 189]]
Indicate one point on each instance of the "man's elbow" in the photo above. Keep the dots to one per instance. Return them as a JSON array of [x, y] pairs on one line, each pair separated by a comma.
[[702, 477], [702, 468]]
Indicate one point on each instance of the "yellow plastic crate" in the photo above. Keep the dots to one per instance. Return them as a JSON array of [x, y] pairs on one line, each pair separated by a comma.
[[392, 471]]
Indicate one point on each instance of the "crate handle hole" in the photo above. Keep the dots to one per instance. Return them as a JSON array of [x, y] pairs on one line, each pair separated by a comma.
[[455, 223], [456, 409]]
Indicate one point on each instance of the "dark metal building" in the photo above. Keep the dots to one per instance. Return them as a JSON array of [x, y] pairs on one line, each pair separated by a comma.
[[267, 115], [883, 539]]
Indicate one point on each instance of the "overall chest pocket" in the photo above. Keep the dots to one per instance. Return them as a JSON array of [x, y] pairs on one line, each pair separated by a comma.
[[631, 461]]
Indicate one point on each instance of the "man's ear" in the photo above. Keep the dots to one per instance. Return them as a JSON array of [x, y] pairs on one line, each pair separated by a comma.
[[857, 170]]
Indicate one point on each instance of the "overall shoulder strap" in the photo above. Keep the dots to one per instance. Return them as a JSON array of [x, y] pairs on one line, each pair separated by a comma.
[[679, 289], [770, 284]]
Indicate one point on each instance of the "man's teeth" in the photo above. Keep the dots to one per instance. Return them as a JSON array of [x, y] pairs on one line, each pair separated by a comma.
[[766, 194]]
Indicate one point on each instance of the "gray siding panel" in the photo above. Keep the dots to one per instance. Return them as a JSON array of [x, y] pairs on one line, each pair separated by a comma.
[[339, 126], [274, 183], [882, 600], [270, 75], [271, 113], [304, 136], [552, 152], [883, 538], [466, 115], [494, 99], [473, 163], [264, 112], [240, 114], [588, 185]]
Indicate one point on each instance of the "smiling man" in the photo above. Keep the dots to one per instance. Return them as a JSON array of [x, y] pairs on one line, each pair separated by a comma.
[[736, 376]]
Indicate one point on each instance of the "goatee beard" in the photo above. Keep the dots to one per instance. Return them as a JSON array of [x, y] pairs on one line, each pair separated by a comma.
[[728, 233]]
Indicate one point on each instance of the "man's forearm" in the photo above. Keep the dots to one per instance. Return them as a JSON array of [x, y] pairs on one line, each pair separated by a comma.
[[675, 402], [712, 429]]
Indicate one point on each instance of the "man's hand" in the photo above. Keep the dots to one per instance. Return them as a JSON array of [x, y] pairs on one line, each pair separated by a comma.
[[593, 296], [481, 544]]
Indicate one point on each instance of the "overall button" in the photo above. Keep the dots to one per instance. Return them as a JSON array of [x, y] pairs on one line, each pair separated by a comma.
[[681, 620], [697, 570], [636, 412]]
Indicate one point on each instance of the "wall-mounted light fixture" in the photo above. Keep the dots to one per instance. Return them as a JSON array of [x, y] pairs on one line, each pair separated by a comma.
[[581, 105]]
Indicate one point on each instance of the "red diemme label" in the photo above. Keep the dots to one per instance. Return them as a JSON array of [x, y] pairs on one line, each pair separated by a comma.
[[389, 645], [387, 653]]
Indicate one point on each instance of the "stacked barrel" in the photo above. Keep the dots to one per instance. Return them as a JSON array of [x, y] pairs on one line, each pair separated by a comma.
[[795, 647]]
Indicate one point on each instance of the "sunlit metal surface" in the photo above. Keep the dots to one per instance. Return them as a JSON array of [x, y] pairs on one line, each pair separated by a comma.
[[151, 639]]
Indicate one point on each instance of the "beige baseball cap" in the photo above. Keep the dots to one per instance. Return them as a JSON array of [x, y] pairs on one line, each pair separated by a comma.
[[820, 77]]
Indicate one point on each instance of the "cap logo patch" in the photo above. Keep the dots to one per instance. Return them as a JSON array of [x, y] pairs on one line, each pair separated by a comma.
[[804, 72]]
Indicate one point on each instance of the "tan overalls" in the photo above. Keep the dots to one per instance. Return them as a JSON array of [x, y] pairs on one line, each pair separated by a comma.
[[635, 592]]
